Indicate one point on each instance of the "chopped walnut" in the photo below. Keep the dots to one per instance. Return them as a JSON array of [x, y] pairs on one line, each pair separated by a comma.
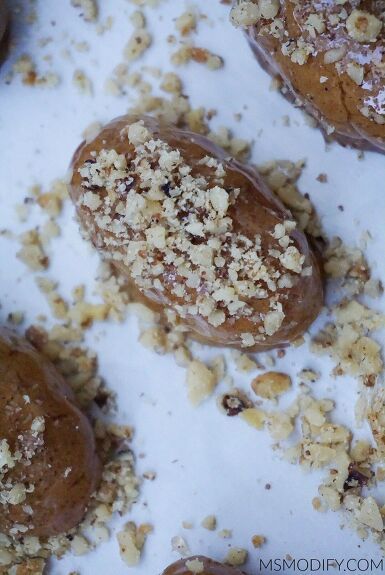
[[210, 523], [89, 9], [258, 541], [131, 542], [271, 384], [236, 557], [201, 382], [235, 402], [186, 23]]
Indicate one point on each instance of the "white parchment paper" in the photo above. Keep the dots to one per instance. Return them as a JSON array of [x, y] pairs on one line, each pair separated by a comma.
[[205, 463]]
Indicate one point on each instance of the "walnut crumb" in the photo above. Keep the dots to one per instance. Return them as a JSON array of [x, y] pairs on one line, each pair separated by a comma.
[[236, 557], [89, 9], [271, 384], [131, 542], [201, 382], [209, 523], [258, 541]]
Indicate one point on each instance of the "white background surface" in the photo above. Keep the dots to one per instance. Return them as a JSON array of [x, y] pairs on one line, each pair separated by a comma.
[[205, 463]]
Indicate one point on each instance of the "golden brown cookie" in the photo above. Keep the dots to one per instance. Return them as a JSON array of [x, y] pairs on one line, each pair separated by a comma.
[[201, 565], [48, 463], [197, 233], [331, 58]]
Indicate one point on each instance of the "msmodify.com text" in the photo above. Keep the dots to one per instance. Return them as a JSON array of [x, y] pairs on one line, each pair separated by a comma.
[[302, 565]]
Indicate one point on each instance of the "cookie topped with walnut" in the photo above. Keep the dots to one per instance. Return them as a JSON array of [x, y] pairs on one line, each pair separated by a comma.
[[196, 233], [49, 467], [331, 58]]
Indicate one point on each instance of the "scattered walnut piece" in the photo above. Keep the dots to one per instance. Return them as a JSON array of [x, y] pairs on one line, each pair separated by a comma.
[[140, 40], [234, 402], [271, 384], [308, 375], [186, 23], [82, 82], [189, 52], [282, 177], [52, 201], [258, 541], [200, 381], [131, 542], [225, 533], [347, 265], [180, 545], [369, 514], [32, 253], [154, 338], [244, 363], [150, 475], [171, 83], [280, 425], [80, 545], [209, 523], [317, 504], [347, 340], [26, 68], [236, 557], [254, 417], [89, 9]]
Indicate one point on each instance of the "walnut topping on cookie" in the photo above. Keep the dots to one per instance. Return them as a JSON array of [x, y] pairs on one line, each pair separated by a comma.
[[331, 56], [168, 215], [168, 210]]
